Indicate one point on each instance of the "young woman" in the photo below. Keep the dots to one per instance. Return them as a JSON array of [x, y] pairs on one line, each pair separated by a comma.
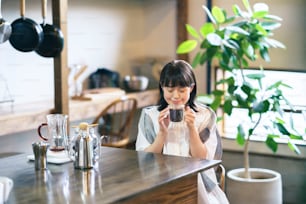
[[178, 86]]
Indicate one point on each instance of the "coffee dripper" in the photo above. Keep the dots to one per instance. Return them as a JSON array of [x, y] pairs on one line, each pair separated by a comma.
[[57, 131]]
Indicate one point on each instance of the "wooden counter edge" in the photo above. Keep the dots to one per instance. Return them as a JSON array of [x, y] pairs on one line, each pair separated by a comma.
[[78, 110]]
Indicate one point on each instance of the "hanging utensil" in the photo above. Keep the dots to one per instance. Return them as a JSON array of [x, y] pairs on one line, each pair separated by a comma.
[[26, 33], [5, 28], [53, 41]]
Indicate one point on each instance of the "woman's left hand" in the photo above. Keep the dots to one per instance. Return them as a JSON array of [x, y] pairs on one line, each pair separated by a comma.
[[189, 117]]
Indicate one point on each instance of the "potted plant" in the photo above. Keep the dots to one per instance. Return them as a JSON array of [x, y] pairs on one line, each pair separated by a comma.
[[232, 42]]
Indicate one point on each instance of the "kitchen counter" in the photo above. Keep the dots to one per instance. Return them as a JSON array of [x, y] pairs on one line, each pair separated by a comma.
[[30, 116], [120, 176]]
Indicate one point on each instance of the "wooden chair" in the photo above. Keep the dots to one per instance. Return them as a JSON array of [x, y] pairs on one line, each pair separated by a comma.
[[220, 173], [115, 122]]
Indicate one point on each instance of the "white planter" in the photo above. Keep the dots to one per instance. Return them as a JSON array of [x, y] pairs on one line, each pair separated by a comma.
[[265, 187]]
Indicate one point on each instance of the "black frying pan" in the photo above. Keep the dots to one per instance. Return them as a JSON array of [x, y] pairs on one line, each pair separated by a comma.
[[26, 33], [53, 41]]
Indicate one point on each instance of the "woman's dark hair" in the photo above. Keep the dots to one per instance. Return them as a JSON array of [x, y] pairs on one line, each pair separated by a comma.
[[177, 73]]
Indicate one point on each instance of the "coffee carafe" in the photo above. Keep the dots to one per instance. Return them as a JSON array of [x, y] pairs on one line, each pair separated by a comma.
[[57, 131], [85, 147]]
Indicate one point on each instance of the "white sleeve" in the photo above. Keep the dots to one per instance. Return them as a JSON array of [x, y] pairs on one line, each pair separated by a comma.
[[145, 131], [211, 144]]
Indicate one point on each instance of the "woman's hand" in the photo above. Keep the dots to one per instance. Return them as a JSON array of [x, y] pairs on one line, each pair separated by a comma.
[[197, 148], [189, 117], [158, 144], [164, 120]]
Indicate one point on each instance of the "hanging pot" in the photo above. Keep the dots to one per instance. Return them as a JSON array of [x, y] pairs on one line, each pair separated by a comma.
[[26, 33], [5, 28], [53, 41]]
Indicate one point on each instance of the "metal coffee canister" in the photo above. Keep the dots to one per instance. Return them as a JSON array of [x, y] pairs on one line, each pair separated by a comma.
[[40, 155]]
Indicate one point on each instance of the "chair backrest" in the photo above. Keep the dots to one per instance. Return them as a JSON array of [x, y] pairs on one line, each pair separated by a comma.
[[115, 121]]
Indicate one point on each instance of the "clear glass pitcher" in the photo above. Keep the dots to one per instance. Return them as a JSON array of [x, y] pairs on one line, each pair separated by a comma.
[[57, 131]]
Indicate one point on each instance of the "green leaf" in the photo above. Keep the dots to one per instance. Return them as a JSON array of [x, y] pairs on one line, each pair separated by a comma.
[[282, 129], [260, 7], [270, 25], [264, 54], [232, 88], [236, 9], [218, 14], [296, 137], [216, 103], [259, 14], [261, 30], [275, 43], [273, 17], [237, 29], [193, 32], [293, 147], [240, 138], [210, 16], [246, 88], [214, 39], [196, 60], [270, 142], [249, 51], [256, 76], [207, 28], [274, 85], [204, 58], [218, 92], [228, 107], [186, 46], [261, 107], [228, 44], [247, 5], [241, 101]]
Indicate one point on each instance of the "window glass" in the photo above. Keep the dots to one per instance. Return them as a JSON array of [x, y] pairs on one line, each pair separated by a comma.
[[296, 95]]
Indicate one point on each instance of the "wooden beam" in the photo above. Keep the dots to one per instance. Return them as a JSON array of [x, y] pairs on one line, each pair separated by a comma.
[[181, 20], [61, 96]]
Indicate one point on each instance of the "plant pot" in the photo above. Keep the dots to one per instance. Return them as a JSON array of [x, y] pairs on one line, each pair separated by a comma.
[[265, 187]]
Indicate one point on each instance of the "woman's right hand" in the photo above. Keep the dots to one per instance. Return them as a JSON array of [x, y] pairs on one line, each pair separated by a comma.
[[164, 120]]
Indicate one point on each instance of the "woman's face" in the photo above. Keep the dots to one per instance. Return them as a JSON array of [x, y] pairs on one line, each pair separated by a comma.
[[177, 95]]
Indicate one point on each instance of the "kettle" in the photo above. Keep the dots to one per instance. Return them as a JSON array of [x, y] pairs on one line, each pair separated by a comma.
[[85, 146]]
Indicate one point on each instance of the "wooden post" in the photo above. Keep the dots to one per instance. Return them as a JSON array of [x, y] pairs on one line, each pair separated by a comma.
[[181, 20], [61, 96]]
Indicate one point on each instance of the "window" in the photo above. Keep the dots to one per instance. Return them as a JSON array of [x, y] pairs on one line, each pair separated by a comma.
[[296, 96]]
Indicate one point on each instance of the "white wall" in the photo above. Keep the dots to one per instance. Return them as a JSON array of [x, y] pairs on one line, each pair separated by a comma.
[[101, 33]]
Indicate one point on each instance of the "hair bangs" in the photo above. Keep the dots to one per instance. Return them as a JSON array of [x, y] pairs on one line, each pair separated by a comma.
[[176, 78]]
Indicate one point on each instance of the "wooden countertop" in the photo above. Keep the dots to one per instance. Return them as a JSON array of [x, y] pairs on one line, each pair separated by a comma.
[[121, 175], [30, 116]]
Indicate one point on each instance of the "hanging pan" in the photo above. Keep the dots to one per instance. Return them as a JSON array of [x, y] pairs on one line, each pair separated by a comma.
[[26, 33], [5, 28], [53, 41]]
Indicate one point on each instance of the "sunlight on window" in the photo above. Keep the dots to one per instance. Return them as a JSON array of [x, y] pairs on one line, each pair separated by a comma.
[[296, 96]]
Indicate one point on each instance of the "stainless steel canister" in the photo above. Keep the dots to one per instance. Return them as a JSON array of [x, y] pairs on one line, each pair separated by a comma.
[[40, 154]]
